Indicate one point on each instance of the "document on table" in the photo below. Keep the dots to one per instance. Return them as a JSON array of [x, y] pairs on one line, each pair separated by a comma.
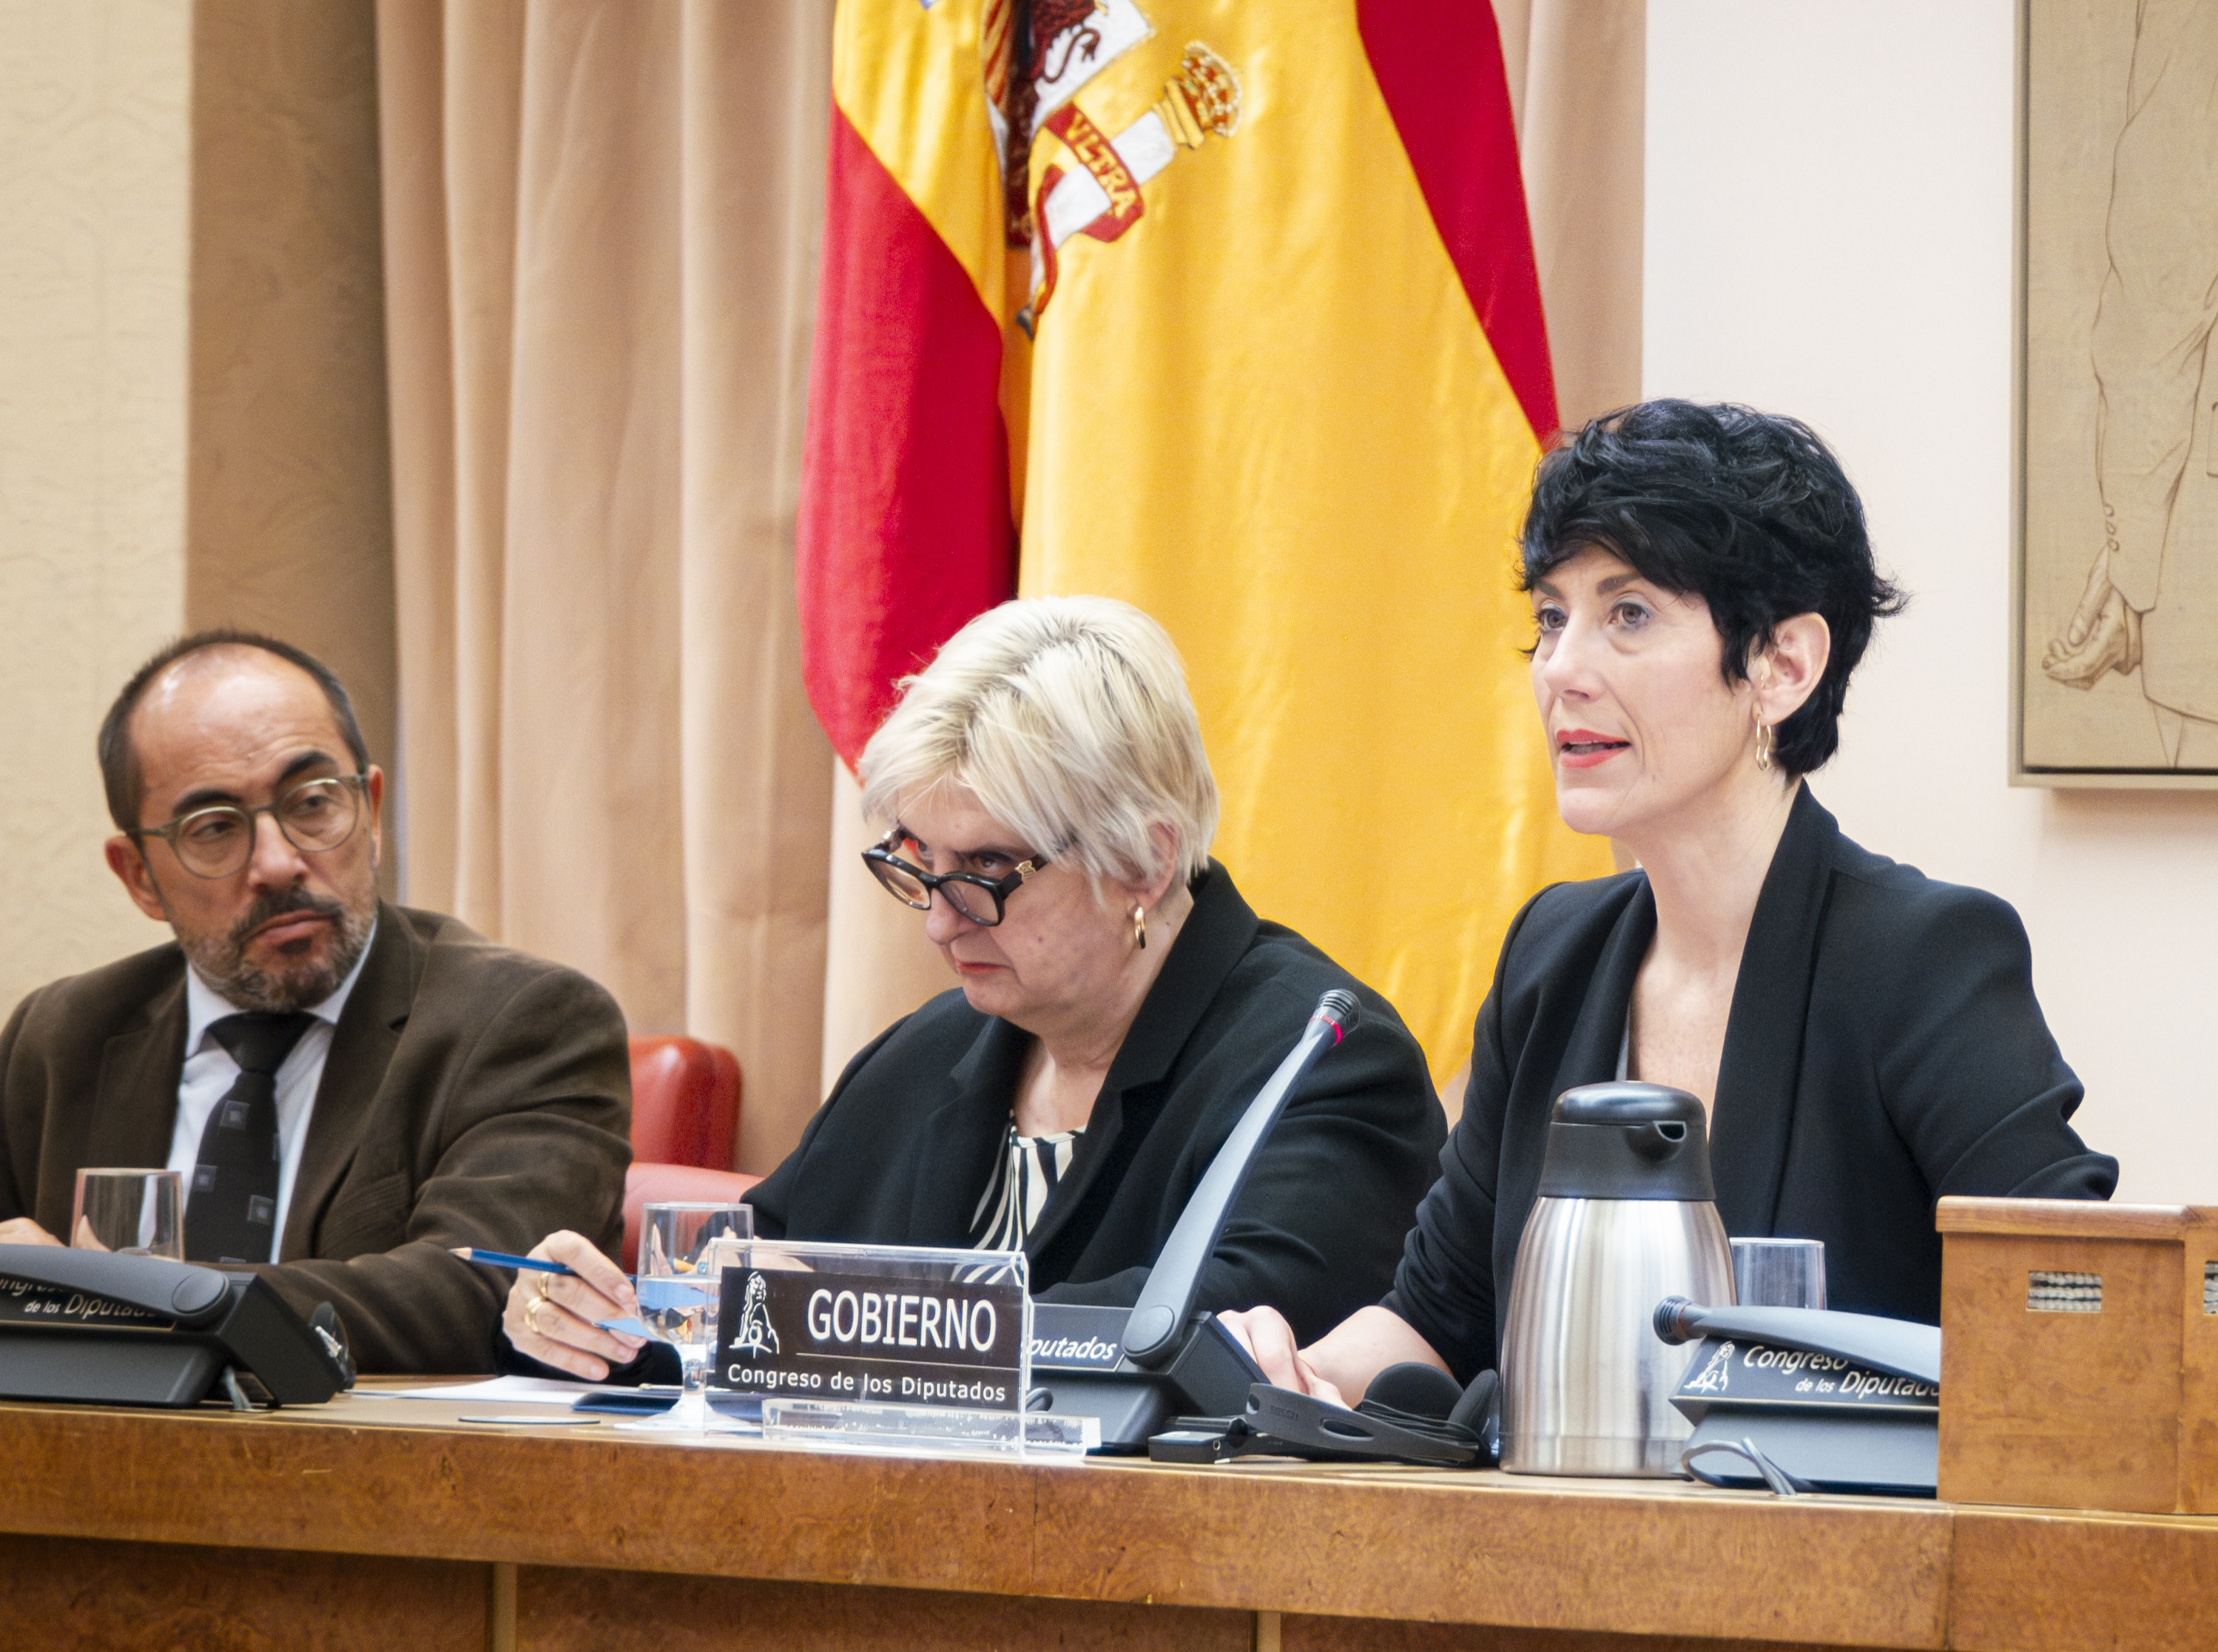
[[508, 1390]]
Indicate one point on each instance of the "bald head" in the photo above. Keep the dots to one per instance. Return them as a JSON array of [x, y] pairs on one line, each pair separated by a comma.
[[250, 745], [210, 671]]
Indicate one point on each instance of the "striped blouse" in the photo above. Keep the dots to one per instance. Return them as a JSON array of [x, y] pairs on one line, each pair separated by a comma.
[[1026, 1174]]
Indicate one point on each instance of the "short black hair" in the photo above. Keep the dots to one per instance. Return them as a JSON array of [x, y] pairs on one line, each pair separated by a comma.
[[1750, 511], [119, 761]]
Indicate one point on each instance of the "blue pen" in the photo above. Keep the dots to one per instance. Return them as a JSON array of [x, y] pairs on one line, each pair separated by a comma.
[[503, 1259], [654, 1295]]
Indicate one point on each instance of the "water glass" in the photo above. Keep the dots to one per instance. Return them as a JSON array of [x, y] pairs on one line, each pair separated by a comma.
[[1779, 1272], [684, 1249], [137, 1212]]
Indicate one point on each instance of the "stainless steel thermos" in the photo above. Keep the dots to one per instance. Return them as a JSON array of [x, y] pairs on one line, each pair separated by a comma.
[[1626, 1217]]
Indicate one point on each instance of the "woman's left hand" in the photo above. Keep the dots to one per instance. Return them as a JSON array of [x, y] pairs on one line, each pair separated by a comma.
[[551, 1316], [1269, 1340]]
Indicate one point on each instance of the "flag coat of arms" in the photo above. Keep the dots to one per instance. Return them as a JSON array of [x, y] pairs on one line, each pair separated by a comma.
[[1229, 311]]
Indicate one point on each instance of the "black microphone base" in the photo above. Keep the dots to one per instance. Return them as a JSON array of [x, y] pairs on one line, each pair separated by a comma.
[[1131, 1406], [1210, 1377], [92, 1370]]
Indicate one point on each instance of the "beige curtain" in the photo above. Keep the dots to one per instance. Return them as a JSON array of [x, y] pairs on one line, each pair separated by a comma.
[[879, 966], [1578, 83], [600, 221], [289, 518]]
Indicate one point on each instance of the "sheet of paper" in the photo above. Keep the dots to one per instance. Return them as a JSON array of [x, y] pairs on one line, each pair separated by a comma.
[[508, 1390], [540, 1420]]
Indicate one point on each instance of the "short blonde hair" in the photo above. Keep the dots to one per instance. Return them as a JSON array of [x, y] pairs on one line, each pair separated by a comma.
[[1069, 720]]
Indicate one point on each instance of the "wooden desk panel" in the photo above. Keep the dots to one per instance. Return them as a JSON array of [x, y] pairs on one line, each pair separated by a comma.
[[63, 1594], [1358, 1634], [593, 1612], [1630, 1557], [1641, 1557], [391, 1511], [2044, 1582], [356, 1479]]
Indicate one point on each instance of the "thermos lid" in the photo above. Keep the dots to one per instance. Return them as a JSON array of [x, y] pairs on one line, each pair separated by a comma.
[[1625, 1141]]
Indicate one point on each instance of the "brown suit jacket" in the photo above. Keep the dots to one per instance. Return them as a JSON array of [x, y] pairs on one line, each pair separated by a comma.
[[473, 1096]]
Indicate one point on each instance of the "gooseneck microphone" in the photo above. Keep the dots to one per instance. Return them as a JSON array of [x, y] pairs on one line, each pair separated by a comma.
[[1152, 1334]]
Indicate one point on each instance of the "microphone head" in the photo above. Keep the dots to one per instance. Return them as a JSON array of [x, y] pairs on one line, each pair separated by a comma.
[[1337, 1007], [1678, 1321]]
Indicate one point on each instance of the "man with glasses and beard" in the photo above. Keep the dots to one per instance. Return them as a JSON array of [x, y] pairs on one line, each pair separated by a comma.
[[350, 1089]]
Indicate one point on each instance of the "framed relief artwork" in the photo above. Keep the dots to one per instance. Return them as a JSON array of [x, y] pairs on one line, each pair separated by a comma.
[[2116, 659]]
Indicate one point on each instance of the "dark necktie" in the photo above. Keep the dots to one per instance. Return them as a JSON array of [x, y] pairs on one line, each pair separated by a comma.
[[232, 1214]]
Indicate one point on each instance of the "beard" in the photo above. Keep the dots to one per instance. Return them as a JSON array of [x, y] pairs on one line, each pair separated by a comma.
[[291, 984]]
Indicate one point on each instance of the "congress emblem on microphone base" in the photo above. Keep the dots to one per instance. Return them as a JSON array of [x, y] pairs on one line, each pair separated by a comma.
[[1715, 1376]]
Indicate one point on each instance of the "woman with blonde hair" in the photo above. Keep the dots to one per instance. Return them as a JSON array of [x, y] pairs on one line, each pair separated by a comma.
[[1049, 809]]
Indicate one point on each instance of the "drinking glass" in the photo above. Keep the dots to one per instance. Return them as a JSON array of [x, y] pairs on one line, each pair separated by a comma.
[[1779, 1272], [684, 1249], [137, 1212]]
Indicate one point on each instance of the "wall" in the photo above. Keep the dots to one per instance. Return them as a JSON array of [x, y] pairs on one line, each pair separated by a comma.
[[94, 148], [1830, 192]]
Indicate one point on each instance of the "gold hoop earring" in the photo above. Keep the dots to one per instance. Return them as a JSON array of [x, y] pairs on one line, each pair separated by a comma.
[[1765, 739], [1140, 926]]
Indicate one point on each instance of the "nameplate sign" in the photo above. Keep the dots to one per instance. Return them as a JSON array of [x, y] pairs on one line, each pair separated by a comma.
[[1068, 1336], [875, 1325], [1731, 1373], [24, 1302]]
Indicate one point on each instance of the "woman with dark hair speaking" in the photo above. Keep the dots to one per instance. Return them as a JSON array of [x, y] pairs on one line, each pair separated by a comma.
[[1865, 1039]]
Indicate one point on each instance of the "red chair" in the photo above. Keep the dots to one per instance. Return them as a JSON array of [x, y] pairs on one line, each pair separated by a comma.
[[684, 1123], [650, 1182], [685, 1102]]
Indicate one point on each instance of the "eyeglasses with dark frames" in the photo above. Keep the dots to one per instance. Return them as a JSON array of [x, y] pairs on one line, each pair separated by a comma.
[[316, 816], [980, 900]]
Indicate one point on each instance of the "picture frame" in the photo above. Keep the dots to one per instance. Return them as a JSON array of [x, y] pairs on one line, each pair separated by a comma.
[[2114, 573]]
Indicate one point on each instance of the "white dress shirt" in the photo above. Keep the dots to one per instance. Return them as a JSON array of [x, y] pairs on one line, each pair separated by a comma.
[[209, 1071]]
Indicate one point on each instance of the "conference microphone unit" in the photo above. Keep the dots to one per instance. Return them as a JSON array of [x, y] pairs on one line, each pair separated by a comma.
[[1136, 1368], [106, 1327]]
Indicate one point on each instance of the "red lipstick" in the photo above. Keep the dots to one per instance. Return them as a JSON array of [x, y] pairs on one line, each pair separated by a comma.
[[1583, 748]]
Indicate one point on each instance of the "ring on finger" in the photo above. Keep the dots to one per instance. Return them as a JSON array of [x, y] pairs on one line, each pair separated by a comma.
[[546, 1286], [531, 1316]]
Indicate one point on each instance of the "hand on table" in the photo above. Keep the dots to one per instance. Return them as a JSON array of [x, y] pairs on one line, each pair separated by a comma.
[[1269, 1340], [22, 1230], [551, 1316]]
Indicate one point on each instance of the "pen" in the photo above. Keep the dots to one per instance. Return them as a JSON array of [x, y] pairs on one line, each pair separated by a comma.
[[503, 1259]]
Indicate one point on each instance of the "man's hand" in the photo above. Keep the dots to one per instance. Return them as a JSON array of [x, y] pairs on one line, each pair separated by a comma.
[[22, 1230], [551, 1316]]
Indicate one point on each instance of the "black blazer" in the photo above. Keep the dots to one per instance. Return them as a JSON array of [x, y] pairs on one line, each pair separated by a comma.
[[1884, 1048], [473, 1096], [902, 1150]]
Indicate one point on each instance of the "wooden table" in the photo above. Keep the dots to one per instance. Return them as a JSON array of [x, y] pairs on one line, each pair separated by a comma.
[[388, 1522]]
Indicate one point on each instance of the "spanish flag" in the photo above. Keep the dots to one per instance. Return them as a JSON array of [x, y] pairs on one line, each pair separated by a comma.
[[1253, 289]]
